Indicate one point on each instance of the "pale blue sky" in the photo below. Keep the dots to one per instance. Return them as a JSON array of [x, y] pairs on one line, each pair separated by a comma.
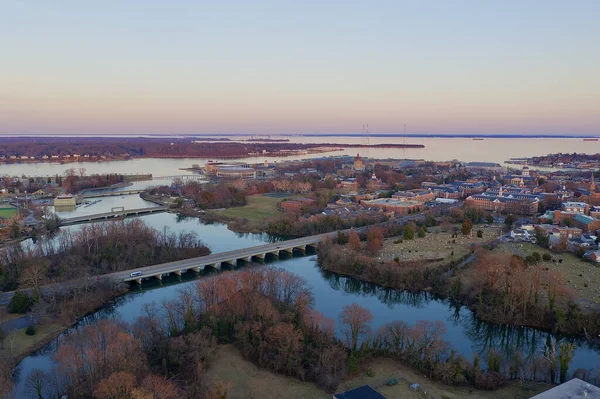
[[299, 67]]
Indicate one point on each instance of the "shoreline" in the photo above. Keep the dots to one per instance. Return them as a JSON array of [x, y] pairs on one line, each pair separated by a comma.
[[464, 303]]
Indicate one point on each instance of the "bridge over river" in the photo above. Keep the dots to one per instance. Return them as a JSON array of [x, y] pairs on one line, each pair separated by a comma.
[[113, 214], [216, 260]]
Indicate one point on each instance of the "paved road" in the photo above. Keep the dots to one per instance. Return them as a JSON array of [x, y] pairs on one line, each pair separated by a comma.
[[107, 215], [219, 257], [213, 258]]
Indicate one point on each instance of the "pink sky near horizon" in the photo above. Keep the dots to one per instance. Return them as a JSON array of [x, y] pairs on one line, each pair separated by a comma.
[[102, 68]]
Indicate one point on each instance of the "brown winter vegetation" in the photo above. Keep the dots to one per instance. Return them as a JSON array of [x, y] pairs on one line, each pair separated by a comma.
[[264, 312], [580, 276], [499, 288], [94, 249], [502, 288], [123, 148], [297, 226], [76, 180]]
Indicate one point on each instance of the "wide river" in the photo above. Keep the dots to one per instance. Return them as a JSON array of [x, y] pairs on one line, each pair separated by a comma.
[[436, 149], [465, 333]]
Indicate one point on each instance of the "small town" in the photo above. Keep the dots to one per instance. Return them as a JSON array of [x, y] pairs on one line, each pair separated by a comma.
[[299, 200], [460, 219]]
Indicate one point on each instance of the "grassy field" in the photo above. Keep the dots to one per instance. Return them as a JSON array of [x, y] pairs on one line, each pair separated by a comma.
[[7, 213], [436, 244], [5, 316], [248, 381], [254, 214], [17, 342], [581, 276]]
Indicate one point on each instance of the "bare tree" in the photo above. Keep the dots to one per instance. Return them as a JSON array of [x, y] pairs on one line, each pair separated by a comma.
[[355, 320]]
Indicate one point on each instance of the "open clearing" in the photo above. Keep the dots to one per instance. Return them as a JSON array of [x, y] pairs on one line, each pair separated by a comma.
[[252, 216], [7, 213], [248, 381], [581, 276], [437, 244], [17, 342]]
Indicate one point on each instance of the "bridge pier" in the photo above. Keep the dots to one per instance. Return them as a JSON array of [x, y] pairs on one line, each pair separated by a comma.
[[287, 250], [231, 262], [301, 248], [159, 277], [138, 280], [177, 272], [216, 266], [259, 256], [196, 269]]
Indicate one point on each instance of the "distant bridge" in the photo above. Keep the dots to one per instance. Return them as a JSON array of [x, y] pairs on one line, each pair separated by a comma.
[[215, 261], [108, 215], [181, 177], [112, 194]]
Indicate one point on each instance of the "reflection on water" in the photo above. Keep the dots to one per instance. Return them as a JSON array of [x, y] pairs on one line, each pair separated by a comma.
[[466, 334]]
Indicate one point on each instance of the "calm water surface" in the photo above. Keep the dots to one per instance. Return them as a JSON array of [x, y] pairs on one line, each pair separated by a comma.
[[436, 149], [465, 333]]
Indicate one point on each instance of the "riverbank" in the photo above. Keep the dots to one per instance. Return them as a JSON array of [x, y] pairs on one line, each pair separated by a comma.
[[248, 380], [478, 284]]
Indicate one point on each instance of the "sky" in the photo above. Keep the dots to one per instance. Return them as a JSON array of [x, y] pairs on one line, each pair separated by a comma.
[[294, 67]]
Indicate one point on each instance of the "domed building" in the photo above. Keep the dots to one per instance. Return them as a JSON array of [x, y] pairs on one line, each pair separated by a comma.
[[358, 163]]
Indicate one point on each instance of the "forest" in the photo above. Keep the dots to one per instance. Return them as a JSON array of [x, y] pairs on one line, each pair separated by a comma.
[[498, 288], [93, 249], [267, 314]]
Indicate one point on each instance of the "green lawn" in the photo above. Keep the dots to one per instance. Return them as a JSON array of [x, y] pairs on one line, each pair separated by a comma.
[[258, 209], [17, 342], [7, 213]]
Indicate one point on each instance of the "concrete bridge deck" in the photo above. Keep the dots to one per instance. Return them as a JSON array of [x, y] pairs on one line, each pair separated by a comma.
[[112, 194], [108, 215], [216, 260], [181, 177]]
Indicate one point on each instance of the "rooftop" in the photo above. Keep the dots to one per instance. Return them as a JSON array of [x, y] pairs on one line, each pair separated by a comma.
[[391, 202], [573, 389], [364, 392], [583, 219]]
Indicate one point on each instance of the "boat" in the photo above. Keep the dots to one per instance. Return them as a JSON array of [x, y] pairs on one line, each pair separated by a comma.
[[590, 139], [477, 138]]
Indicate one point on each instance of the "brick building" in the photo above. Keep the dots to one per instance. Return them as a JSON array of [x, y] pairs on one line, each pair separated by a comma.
[[415, 195], [521, 205]]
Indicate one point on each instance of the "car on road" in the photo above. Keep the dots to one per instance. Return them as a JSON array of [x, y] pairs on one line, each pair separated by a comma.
[[135, 274]]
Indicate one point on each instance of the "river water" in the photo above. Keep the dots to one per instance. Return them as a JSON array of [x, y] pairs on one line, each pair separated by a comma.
[[436, 149], [465, 332]]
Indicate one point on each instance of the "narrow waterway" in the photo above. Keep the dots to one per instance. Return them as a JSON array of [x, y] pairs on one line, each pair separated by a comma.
[[465, 333]]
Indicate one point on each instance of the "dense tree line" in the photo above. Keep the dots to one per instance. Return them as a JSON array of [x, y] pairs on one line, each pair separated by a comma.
[[297, 226], [265, 312], [498, 288], [77, 180], [510, 290], [138, 147], [361, 264], [94, 249]]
